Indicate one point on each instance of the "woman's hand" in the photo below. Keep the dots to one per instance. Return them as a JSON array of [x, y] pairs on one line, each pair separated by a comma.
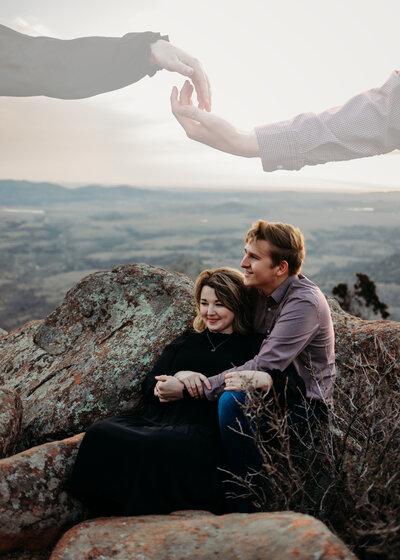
[[193, 382], [242, 380], [165, 55], [210, 129], [168, 388]]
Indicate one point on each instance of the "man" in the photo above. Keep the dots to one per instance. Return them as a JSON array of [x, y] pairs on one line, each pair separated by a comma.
[[87, 66], [367, 125], [298, 350]]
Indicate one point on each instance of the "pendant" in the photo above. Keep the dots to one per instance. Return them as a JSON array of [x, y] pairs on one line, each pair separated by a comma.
[[213, 349]]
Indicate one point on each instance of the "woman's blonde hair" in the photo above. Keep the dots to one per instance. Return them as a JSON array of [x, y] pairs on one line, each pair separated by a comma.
[[231, 292]]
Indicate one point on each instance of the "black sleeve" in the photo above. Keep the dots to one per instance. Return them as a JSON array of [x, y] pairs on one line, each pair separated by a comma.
[[163, 365], [75, 68]]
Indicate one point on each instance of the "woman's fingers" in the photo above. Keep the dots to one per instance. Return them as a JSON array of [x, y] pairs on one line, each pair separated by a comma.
[[200, 81]]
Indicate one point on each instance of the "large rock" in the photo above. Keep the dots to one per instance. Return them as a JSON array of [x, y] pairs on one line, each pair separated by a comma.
[[10, 421], [86, 360], [196, 535], [3, 332], [34, 507], [358, 341]]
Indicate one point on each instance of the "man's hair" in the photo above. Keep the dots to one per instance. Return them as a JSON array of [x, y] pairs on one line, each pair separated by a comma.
[[287, 243], [231, 292]]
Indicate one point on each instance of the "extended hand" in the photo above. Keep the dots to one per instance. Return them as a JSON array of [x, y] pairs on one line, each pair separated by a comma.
[[242, 380], [168, 388], [210, 129], [165, 55], [193, 381]]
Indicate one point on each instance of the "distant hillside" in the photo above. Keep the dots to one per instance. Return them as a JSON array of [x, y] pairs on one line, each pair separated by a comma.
[[386, 270], [26, 193], [75, 232]]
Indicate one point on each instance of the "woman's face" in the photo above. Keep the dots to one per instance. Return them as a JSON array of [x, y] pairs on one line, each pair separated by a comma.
[[215, 315]]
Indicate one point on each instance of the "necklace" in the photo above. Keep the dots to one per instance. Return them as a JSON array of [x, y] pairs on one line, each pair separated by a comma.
[[214, 347]]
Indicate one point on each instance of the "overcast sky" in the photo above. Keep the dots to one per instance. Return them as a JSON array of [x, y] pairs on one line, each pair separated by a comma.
[[267, 61]]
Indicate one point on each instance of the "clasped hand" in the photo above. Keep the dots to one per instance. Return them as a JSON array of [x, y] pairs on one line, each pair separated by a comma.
[[193, 382], [168, 388]]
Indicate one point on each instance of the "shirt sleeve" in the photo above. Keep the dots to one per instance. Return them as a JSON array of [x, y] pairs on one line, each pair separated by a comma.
[[72, 69], [367, 125], [292, 332]]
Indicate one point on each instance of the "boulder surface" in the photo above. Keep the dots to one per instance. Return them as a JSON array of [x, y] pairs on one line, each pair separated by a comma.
[[10, 421], [86, 360], [34, 507], [360, 341], [201, 536]]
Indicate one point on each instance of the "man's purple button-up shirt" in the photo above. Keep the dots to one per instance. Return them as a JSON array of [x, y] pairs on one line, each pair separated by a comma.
[[297, 323]]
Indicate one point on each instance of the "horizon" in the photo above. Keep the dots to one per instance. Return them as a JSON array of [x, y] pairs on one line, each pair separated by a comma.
[[329, 187]]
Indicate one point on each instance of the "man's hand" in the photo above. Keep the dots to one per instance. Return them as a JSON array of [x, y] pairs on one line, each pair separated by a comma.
[[165, 55], [168, 388], [193, 381], [210, 129], [242, 380]]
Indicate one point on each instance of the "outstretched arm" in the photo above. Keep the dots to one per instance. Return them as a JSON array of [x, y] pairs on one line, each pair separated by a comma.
[[79, 68], [367, 125]]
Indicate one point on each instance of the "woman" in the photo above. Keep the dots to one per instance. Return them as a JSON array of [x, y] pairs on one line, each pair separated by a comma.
[[166, 458]]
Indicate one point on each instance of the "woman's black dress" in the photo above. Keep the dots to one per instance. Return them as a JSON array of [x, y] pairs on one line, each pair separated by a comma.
[[165, 459]]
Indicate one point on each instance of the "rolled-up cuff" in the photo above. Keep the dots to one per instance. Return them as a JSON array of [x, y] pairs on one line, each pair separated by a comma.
[[217, 383], [277, 145]]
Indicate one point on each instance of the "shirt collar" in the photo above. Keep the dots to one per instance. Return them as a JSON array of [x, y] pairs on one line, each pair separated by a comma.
[[280, 292]]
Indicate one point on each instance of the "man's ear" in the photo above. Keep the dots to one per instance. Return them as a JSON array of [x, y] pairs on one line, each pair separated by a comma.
[[283, 268]]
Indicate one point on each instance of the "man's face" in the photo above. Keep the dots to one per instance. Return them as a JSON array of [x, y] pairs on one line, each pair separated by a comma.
[[259, 270]]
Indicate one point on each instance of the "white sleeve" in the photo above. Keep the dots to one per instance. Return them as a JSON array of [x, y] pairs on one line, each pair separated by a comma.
[[367, 125]]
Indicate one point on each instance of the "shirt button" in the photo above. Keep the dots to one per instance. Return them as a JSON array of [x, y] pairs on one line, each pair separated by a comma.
[[268, 331], [269, 309]]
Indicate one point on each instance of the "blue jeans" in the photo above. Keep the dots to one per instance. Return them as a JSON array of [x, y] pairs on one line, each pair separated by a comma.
[[240, 453]]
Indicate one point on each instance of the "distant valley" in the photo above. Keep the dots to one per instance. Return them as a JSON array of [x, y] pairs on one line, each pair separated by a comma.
[[51, 236]]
